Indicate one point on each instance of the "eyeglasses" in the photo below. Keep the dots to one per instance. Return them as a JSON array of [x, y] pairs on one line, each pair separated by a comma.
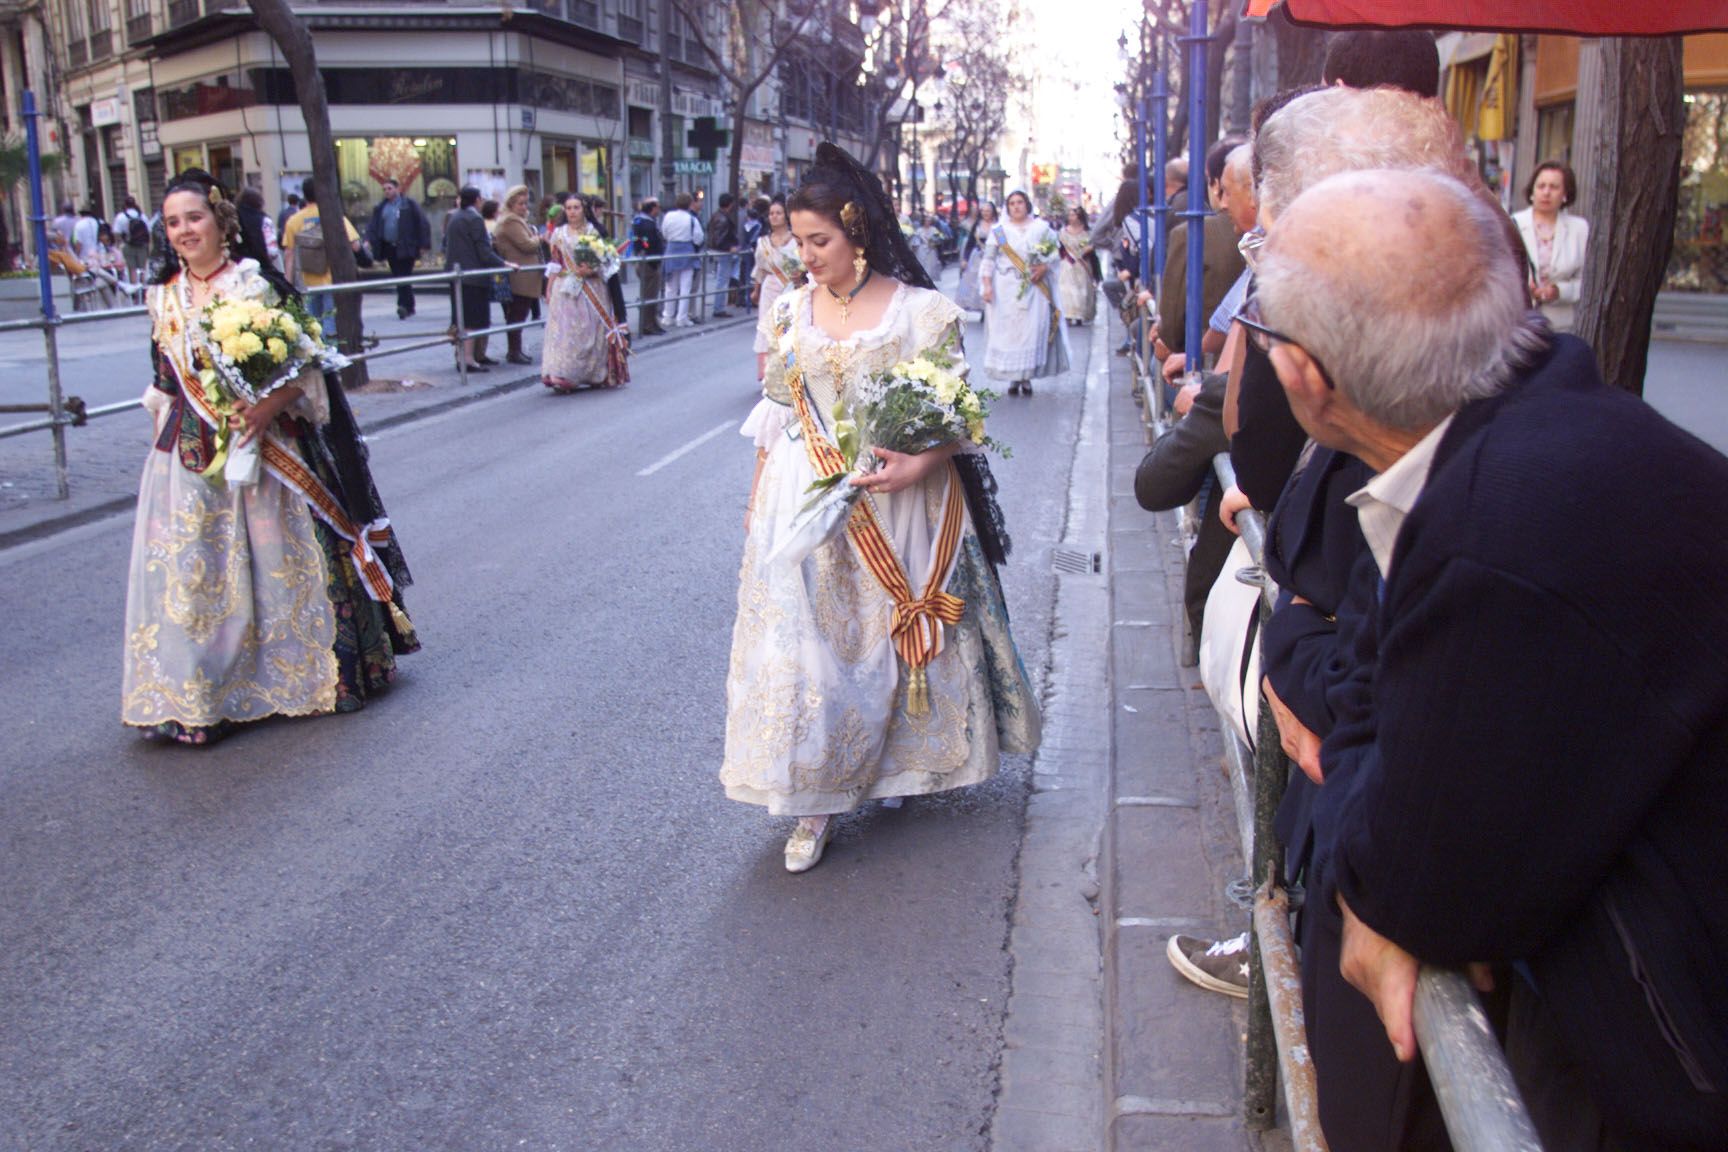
[[1263, 337], [1250, 244]]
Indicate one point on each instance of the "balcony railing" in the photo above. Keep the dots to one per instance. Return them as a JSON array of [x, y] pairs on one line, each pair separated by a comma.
[[77, 53], [101, 44], [184, 12], [584, 12], [630, 29], [138, 28]]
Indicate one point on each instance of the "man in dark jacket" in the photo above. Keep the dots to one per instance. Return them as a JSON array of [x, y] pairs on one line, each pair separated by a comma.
[[1541, 787], [1223, 263], [467, 245], [647, 241], [398, 233], [723, 238]]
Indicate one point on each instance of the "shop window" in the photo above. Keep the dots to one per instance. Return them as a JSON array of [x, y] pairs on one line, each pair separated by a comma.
[[1699, 261], [1554, 134], [424, 167]]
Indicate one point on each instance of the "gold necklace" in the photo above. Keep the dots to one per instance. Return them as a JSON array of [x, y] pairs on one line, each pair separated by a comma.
[[845, 302]]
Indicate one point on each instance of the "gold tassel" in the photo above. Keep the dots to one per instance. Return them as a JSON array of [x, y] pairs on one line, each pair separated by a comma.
[[918, 693], [404, 626]]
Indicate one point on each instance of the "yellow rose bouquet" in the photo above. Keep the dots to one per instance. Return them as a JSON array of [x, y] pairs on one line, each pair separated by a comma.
[[915, 406], [252, 348]]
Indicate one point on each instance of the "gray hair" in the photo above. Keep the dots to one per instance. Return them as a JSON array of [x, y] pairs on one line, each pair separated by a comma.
[[1411, 321], [1349, 129]]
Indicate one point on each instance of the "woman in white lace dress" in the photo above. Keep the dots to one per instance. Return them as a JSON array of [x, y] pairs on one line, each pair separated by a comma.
[[1017, 280], [778, 267], [819, 716]]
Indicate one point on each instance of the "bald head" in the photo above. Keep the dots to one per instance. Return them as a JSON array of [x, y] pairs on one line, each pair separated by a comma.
[[1238, 188], [1402, 285], [1345, 130]]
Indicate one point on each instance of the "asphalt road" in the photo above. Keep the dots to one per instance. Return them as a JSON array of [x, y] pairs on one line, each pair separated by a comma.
[[507, 905]]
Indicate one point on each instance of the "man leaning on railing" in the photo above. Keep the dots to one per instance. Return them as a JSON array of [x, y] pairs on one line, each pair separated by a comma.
[[1543, 781]]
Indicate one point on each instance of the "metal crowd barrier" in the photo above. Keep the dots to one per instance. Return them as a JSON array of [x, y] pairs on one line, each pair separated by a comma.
[[61, 412], [1478, 1099]]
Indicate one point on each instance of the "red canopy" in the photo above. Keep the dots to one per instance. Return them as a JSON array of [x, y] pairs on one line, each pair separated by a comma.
[[1582, 17]]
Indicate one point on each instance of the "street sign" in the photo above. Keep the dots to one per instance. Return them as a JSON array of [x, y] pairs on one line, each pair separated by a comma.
[[693, 167]]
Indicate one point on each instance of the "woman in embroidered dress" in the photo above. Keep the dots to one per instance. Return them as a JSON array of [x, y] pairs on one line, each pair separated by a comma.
[[1077, 283], [819, 714], [1020, 313], [272, 590], [972, 257], [584, 345], [778, 267]]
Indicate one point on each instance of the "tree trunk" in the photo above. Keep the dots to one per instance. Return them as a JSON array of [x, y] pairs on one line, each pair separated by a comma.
[[1633, 202], [294, 41], [736, 161], [1301, 51], [1222, 33]]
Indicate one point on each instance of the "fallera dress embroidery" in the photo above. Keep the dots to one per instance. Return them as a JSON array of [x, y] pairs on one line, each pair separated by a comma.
[[582, 346], [817, 717], [241, 602]]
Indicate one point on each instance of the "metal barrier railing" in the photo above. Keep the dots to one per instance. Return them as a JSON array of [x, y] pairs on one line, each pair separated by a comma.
[[61, 412], [1478, 1099]]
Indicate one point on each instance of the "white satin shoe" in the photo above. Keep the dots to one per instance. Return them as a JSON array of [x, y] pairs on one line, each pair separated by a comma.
[[804, 847]]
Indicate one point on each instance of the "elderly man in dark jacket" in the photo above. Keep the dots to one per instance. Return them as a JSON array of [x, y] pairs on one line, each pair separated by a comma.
[[466, 245], [1542, 777], [398, 232]]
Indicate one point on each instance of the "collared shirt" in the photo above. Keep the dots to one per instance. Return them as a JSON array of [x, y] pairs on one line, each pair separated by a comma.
[[1232, 303], [1383, 503]]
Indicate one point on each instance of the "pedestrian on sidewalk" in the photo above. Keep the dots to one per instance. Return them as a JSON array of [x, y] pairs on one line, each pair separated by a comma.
[[647, 244], [133, 229], [723, 240], [266, 584], [684, 237], [824, 709], [398, 233], [516, 241], [305, 257], [466, 245]]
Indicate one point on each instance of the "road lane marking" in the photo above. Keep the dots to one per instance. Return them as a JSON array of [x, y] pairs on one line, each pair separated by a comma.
[[673, 456]]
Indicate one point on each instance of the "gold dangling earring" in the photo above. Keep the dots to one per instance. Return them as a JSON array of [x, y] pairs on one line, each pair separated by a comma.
[[859, 266]]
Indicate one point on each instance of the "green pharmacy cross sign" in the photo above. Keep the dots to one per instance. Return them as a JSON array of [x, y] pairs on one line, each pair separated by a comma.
[[706, 138]]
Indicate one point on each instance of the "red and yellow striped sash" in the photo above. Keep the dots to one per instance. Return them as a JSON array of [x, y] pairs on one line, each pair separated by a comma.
[[1043, 286], [917, 622]]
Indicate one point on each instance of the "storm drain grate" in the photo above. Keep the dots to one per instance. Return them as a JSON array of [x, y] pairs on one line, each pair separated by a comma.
[[1068, 560]]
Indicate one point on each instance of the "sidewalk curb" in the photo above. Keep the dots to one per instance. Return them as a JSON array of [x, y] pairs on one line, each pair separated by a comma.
[[43, 529]]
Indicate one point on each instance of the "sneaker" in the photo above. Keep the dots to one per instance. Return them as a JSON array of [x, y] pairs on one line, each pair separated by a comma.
[[1216, 965]]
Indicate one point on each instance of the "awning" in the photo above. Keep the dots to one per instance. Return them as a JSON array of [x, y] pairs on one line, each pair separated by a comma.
[[1579, 17], [1463, 47]]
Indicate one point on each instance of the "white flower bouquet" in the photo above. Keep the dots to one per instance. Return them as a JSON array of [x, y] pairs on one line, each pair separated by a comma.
[[252, 348], [1041, 253], [915, 406]]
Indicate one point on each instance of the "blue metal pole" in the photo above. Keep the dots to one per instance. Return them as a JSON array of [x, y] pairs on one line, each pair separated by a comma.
[[1196, 214], [1140, 212], [38, 214], [1160, 151]]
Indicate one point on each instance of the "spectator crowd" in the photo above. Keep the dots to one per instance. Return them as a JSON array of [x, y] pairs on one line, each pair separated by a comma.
[[1499, 658]]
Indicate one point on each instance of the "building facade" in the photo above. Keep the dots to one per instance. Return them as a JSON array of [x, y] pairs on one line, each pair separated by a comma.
[[600, 97]]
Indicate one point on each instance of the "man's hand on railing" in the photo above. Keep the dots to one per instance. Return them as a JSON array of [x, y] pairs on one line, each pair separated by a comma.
[[1160, 349], [1233, 502], [1173, 366], [1384, 973], [1297, 739]]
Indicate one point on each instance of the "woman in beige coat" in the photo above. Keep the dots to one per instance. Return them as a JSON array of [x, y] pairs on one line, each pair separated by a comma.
[[517, 242]]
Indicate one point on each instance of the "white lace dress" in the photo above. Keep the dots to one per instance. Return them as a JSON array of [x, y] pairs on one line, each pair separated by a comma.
[[1026, 337], [816, 716]]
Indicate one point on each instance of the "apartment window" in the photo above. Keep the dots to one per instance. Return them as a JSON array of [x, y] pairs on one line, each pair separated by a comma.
[[1554, 133]]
